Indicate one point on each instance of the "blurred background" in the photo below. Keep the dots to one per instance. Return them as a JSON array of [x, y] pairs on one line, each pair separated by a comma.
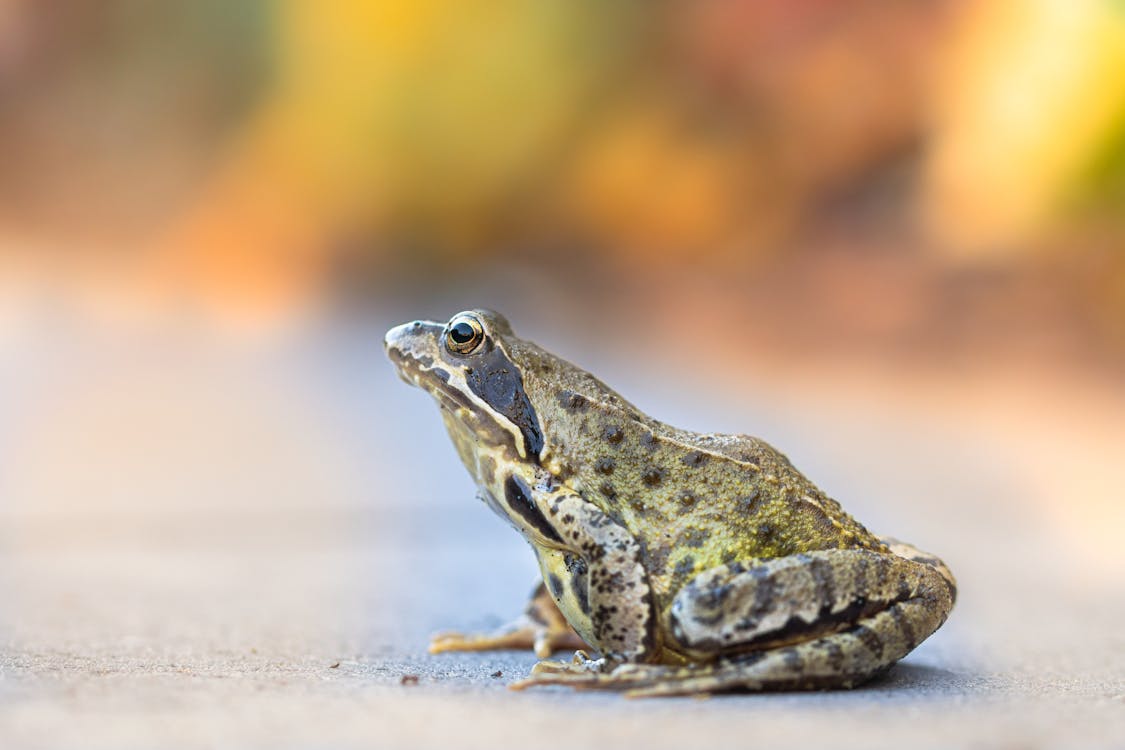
[[961, 163], [887, 236]]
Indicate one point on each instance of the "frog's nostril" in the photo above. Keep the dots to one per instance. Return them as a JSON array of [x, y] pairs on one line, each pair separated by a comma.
[[416, 325]]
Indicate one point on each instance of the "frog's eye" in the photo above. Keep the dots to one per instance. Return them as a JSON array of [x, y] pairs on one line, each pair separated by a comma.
[[464, 334]]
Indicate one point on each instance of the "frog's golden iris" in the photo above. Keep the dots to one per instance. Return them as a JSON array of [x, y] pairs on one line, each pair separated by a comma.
[[692, 562]]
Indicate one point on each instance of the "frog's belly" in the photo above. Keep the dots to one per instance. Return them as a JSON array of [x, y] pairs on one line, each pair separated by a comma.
[[566, 578]]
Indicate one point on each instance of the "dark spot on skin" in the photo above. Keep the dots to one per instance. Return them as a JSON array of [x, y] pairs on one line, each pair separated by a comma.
[[822, 577], [904, 589], [904, 626], [684, 567], [579, 581], [710, 599], [870, 639], [834, 654], [656, 556], [648, 440], [574, 564], [440, 374], [573, 401], [518, 497], [766, 532], [613, 434], [609, 491], [556, 586], [765, 594], [605, 465], [750, 501], [695, 458], [653, 476]]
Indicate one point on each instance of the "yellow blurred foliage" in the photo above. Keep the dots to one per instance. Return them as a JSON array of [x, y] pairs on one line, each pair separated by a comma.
[[280, 146], [1032, 95], [422, 113], [644, 183], [462, 128]]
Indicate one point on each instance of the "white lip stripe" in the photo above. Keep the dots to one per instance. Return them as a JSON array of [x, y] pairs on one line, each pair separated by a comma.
[[458, 383]]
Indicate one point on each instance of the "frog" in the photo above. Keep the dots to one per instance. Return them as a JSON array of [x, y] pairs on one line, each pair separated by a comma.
[[676, 562]]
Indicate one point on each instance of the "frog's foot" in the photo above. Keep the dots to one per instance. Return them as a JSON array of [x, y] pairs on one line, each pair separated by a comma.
[[541, 628], [633, 679], [580, 664], [804, 666]]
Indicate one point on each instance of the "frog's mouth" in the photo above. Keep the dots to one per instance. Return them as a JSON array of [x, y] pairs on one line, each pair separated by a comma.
[[413, 349]]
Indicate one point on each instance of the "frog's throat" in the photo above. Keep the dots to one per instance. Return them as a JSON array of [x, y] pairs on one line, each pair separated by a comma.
[[449, 387]]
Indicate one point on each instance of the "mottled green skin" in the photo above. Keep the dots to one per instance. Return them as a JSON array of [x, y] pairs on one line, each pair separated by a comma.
[[694, 500]]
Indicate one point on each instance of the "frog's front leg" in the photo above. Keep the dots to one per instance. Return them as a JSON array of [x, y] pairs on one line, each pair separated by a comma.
[[541, 628], [594, 573], [831, 618]]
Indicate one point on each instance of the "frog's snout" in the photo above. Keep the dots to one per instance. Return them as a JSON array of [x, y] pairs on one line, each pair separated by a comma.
[[406, 337], [392, 339], [413, 348]]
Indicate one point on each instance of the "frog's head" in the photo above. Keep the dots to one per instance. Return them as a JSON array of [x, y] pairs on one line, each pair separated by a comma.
[[466, 366]]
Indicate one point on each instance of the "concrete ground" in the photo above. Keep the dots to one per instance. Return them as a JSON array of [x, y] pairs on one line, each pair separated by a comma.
[[215, 544]]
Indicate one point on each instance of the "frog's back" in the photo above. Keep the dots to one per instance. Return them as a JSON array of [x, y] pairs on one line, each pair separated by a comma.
[[697, 500], [692, 500]]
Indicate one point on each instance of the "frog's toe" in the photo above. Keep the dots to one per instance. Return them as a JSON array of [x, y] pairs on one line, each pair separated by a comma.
[[524, 632], [580, 664], [591, 674], [513, 636]]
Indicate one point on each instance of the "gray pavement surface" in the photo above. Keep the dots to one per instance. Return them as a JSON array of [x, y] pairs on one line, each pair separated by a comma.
[[211, 544]]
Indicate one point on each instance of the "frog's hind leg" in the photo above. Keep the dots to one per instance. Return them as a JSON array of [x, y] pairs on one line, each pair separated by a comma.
[[826, 619], [821, 619], [541, 628]]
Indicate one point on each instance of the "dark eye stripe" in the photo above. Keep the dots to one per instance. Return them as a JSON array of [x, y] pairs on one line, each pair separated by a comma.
[[518, 497], [497, 381]]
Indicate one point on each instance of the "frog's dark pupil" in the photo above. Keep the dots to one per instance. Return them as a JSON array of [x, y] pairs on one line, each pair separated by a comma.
[[462, 333]]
